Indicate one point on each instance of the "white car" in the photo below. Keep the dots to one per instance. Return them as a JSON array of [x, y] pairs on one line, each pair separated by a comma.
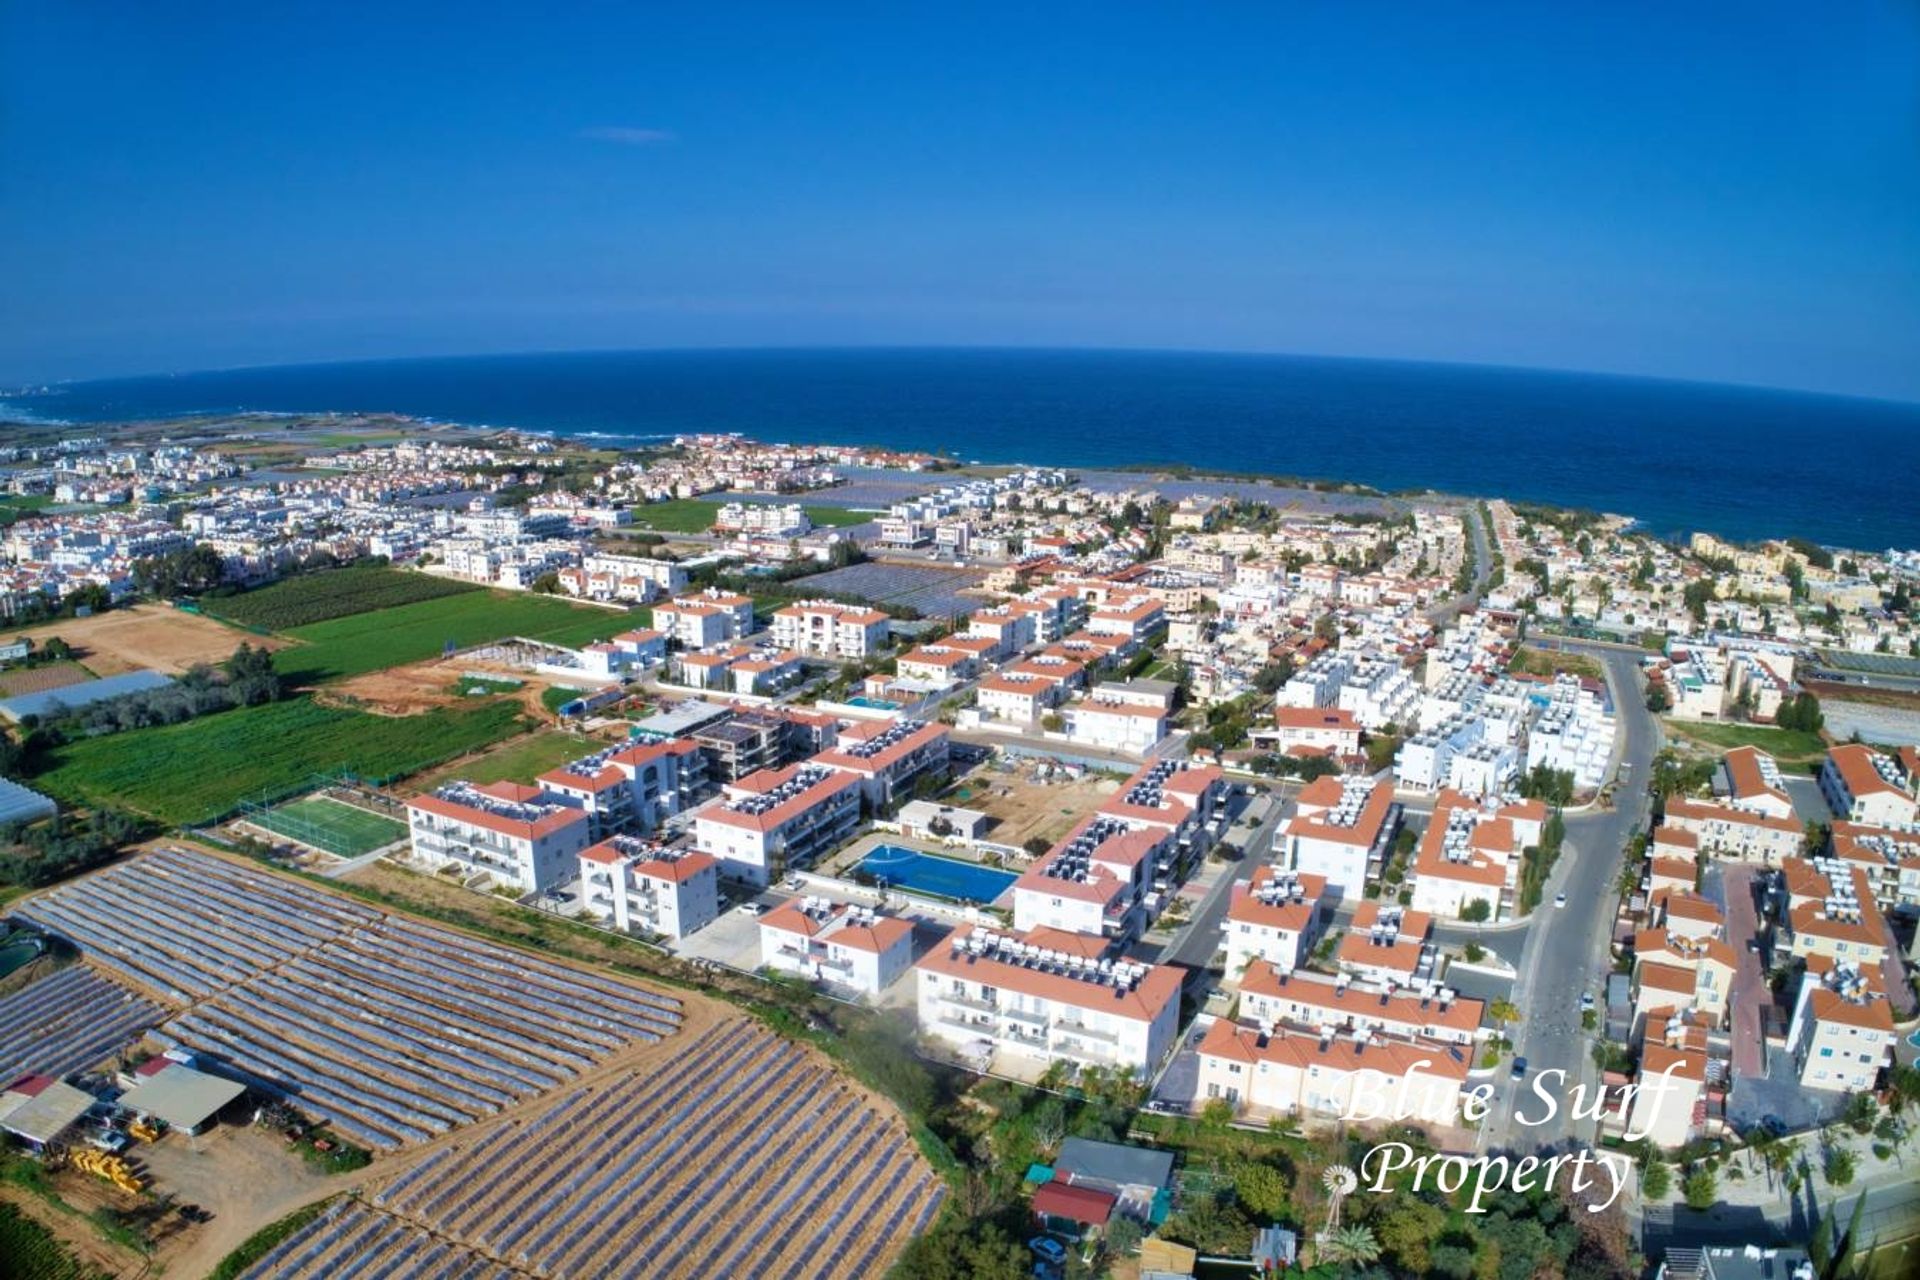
[[1560, 900], [749, 908]]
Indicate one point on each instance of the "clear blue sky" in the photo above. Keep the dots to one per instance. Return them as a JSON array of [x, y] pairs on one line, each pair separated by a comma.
[[1697, 190]]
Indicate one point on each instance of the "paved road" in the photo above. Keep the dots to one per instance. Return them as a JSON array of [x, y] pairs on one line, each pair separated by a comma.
[[1892, 1213], [1482, 568], [1195, 945], [1565, 951]]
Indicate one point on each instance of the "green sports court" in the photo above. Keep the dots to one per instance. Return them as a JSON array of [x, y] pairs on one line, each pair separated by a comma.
[[330, 825]]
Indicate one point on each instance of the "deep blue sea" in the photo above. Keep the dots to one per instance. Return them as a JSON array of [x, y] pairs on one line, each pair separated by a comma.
[[1739, 462]]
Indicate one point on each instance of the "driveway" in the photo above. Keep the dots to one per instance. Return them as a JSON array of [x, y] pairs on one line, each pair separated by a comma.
[[1750, 998]]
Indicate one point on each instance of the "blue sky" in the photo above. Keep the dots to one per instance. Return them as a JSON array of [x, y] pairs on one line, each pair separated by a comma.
[[1715, 191]]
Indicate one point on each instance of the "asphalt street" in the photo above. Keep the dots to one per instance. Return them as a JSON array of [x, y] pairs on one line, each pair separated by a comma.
[[1564, 950]]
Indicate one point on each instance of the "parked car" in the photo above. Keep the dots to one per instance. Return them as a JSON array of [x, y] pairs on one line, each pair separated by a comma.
[[1560, 901], [1047, 1249], [1519, 1068], [1586, 1001]]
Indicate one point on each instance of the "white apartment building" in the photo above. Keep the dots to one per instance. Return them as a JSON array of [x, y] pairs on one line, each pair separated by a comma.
[[1306, 1075], [1272, 919], [848, 946], [1573, 734], [889, 758], [1092, 883], [1736, 833], [778, 818], [516, 834], [705, 618], [1318, 683], [1388, 946], [1047, 997], [763, 519], [642, 885], [1310, 1002], [1017, 699], [1472, 853], [1112, 725], [827, 629], [631, 788], [636, 579], [1425, 760], [1341, 831], [1864, 785], [1841, 1035]]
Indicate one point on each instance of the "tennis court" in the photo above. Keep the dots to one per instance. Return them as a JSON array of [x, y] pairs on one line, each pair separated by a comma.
[[331, 826]]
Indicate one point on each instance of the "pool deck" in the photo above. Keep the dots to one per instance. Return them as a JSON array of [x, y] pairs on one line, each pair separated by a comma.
[[843, 863]]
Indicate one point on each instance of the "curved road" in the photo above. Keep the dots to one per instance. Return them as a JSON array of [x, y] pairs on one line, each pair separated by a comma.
[[1565, 950]]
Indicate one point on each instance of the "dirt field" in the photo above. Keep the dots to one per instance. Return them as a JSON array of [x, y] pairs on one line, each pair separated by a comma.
[[55, 675], [1024, 809], [148, 635], [426, 686]]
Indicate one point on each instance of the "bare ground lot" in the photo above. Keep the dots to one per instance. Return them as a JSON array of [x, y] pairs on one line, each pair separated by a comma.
[[154, 636], [427, 686], [1023, 809]]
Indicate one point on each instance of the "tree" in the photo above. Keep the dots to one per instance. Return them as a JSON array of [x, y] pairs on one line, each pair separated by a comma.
[[1351, 1246], [1656, 1179], [1657, 699], [1407, 1231], [1861, 1113], [1701, 1190], [1475, 912], [1122, 1236], [1839, 1167], [1262, 1190], [1503, 1011], [547, 584], [1053, 722]]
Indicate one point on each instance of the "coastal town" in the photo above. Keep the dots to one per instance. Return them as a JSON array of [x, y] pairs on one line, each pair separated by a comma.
[[424, 843]]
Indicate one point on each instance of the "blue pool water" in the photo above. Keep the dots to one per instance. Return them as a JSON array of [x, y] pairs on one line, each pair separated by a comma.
[[875, 704], [935, 876]]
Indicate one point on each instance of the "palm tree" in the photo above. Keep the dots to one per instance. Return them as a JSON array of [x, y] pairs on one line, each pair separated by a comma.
[[1355, 1245]]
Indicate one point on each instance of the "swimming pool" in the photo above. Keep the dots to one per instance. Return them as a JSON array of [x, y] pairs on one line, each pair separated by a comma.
[[934, 876], [873, 704]]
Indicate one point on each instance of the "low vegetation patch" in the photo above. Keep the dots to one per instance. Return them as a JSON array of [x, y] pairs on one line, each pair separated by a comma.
[[391, 637], [191, 773], [337, 593], [31, 1252]]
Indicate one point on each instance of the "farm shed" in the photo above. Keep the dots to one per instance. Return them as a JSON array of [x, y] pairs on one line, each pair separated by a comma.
[[38, 1109], [1063, 1204], [173, 1092]]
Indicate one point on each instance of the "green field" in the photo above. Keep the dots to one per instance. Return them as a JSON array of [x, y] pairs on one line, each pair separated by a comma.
[[197, 771], [1785, 744], [338, 593], [366, 642], [520, 760], [695, 515], [332, 826], [31, 1252]]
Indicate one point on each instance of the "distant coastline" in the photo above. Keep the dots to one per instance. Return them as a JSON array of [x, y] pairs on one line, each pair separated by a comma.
[[1741, 463]]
